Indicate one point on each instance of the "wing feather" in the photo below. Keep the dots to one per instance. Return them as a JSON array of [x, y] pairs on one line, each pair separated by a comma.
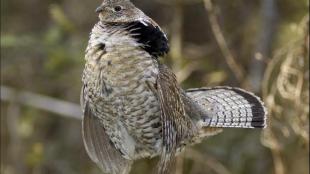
[[176, 125], [99, 147]]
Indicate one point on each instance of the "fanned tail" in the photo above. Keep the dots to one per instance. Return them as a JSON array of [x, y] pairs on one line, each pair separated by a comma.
[[229, 107]]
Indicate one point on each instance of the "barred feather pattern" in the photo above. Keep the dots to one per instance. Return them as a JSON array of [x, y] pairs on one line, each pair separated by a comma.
[[229, 107], [176, 125], [115, 76]]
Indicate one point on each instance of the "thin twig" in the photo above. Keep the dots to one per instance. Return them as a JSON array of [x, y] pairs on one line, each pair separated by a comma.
[[213, 164], [233, 65], [15, 145], [177, 36], [179, 164]]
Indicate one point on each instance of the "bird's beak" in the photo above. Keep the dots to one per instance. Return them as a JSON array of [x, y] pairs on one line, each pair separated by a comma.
[[99, 9]]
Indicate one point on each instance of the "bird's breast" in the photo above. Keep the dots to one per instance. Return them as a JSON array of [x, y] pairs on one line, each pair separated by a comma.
[[117, 76], [116, 60]]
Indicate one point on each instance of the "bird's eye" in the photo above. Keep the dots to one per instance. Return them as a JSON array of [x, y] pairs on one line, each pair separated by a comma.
[[118, 8]]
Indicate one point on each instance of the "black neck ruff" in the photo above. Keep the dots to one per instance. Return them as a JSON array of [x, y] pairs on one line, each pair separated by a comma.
[[151, 37]]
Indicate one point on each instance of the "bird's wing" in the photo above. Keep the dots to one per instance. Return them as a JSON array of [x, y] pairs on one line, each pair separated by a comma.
[[176, 125], [99, 146]]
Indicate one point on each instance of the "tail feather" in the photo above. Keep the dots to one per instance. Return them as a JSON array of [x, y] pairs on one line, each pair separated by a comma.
[[229, 107]]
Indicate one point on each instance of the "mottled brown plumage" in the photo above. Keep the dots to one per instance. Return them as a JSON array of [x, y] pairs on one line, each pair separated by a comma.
[[134, 108]]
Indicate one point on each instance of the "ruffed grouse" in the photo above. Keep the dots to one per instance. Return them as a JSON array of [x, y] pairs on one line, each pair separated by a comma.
[[134, 108]]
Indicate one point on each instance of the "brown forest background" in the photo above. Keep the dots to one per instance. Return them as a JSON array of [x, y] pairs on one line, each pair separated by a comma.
[[260, 45]]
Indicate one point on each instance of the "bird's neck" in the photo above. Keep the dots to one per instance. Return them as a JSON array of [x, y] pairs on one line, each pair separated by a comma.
[[148, 36]]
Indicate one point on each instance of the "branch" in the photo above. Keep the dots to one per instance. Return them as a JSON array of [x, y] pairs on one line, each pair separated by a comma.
[[269, 21], [60, 107]]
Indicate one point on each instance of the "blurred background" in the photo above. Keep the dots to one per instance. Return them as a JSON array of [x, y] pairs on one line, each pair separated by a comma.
[[259, 45]]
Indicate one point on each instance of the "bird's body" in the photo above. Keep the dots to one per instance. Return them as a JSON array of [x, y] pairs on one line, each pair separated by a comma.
[[133, 107], [118, 81]]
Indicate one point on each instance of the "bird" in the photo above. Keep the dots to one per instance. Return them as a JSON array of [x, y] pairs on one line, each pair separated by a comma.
[[133, 106]]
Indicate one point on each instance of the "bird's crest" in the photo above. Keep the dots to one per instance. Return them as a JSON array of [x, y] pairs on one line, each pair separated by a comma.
[[119, 11]]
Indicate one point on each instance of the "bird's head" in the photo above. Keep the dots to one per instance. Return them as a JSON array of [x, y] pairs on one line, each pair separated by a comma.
[[143, 28], [120, 11]]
